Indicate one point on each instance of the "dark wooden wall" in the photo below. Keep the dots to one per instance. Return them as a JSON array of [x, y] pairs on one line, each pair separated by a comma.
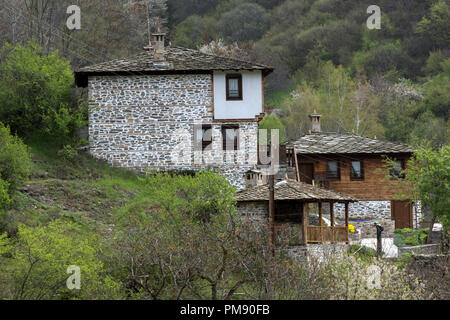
[[373, 187]]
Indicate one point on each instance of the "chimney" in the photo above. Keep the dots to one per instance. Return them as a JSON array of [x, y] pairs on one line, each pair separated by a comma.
[[315, 122], [158, 46]]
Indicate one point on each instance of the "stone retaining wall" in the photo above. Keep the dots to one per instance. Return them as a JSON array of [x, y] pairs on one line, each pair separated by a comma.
[[428, 249]]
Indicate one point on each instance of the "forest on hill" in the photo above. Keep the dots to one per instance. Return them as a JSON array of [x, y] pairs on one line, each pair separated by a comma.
[[391, 82]]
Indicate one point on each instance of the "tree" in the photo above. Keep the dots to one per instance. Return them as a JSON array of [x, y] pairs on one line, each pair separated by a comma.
[[184, 240], [15, 162], [427, 178], [35, 94], [436, 26], [194, 32], [345, 104], [271, 122], [246, 22], [437, 95]]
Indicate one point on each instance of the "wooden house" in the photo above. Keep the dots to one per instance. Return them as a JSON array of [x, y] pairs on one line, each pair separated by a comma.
[[354, 165]]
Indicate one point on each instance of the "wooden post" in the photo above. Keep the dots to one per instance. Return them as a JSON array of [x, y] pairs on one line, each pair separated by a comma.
[[346, 219], [320, 222], [272, 214], [296, 165], [305, 222], [332, 221]]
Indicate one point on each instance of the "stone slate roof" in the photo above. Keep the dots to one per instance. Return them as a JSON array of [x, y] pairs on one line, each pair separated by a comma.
[[177, 60], [292, 190], [333, 143]]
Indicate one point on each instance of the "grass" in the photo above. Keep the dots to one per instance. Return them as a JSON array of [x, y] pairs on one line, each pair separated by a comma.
[[85, 190]]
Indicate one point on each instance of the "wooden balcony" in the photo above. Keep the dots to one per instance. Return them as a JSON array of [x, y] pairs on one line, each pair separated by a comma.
[[322, 234]]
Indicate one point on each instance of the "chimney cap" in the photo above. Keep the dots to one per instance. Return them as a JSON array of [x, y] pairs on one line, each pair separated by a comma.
[[159, 34], [315, 123], [314, 114]]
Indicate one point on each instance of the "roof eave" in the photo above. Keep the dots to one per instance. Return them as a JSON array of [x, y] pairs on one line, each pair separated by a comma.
[[81, 77]]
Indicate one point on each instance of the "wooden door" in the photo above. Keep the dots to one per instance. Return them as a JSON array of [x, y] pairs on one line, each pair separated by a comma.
[[306, 172], [401, 212]]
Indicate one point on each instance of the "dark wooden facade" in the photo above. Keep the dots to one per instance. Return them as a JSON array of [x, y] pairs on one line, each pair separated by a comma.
[[372, 186]]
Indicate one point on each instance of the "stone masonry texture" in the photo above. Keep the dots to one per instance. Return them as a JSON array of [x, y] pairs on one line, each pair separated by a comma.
[[146, 122]]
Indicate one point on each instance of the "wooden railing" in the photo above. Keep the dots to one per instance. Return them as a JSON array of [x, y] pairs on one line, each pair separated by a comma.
[[323, 234]]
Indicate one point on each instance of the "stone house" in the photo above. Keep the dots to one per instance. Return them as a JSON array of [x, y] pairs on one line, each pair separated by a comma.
[[175, 109], [352, 164]]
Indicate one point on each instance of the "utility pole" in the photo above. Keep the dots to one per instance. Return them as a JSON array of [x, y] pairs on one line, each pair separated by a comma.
[[272, 213]]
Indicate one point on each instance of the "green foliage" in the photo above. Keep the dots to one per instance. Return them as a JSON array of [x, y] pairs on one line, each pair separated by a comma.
[[35, 93], [273, 122], [15, 162], [434, 64], [244, 23], [5, 199], [345, 104], [437, 97], [363, 253], [436, 25], [41, 256], [181, 232], [200, 196], [410, 237], [428, 178], [405, 230], [195, 31], [68, 153]]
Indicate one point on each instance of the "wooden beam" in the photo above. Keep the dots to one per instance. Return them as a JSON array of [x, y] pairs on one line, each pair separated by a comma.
[[332, 220], [320, 221], [346, 219], [296, 165], [305, 223]]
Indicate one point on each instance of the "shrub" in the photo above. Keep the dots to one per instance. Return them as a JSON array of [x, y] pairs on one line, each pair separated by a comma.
[[4, 195], [35, 93], [15, 161], [352, 278], [68, 153], [39, 260]]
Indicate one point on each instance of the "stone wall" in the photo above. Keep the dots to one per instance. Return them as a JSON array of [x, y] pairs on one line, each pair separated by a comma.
[[368, 230], [377, 210], [361, 210], [428, 249], [147, 123], [255, 211]]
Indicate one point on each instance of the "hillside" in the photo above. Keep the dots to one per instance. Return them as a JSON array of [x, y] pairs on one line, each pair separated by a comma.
[[392, 82], [82, 190]]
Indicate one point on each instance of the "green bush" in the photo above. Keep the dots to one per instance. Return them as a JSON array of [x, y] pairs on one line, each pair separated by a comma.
[[410, 237], [40, 256], [4, 195], [362, 252], [15, 161], [68, 153], [35, 94]]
